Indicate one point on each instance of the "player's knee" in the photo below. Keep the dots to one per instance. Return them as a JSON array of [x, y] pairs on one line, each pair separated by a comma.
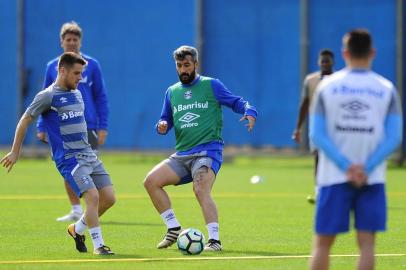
[[200, 188], [92, 197], [111, 200], [149, 181]]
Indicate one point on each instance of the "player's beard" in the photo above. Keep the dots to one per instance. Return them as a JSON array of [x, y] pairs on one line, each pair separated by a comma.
[[187, 78]]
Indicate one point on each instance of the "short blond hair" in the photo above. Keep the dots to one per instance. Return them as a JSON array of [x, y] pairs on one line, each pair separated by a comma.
[[70, 28]]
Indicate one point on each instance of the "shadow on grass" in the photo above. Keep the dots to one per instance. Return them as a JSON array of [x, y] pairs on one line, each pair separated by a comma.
[[120, 223], [257, 253]]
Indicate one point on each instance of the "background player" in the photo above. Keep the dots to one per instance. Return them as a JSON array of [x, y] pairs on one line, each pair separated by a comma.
[[326, 63]]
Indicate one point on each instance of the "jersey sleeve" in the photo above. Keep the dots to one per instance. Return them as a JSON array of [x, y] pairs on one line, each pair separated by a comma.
[[318, 134], [236, 103], [40, 104], [166, 113], [47, 82], [100, 97], [48, 77], [392, 136]]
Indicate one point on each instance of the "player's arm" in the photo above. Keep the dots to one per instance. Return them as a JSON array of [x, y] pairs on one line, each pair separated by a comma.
[[318, 134], [391, 138], [101, 103], [236, 103], [48, 80], [303, 111], [11, 158], [165, 122]]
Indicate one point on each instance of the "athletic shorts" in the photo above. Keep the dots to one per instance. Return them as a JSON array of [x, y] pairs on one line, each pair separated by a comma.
[[335, 204], [185, 166], [83, 172]]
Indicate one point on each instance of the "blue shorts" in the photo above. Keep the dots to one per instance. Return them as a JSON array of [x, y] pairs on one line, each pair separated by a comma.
[[185, 166], [335, 204]]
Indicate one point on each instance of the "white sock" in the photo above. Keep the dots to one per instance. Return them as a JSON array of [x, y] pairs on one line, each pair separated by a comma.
[[170, 219], [213, 230], [77, 208], [316, 191], [97, 238], [80, 225]]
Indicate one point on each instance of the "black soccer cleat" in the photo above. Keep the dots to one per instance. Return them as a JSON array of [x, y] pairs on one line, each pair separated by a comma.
[[79, 239]]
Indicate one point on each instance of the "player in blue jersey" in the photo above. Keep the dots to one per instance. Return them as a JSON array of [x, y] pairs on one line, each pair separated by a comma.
[[62, 109], [94, 96], [356, 124], [193, 107]]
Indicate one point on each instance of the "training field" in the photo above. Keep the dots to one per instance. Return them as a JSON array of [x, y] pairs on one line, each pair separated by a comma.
[[262, 226]]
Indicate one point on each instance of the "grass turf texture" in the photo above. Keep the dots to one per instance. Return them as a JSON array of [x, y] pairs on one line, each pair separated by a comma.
[[270, 221]]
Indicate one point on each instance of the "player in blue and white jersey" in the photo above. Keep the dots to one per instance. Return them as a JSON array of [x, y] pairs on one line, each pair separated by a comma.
[[94, 97], [356, 124], [62, 109]]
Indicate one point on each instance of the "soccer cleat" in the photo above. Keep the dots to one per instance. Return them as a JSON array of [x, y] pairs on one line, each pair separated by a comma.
[[213, 245], [72, 216], [170, 237], [79, 239], [103, 250], [311, 199]]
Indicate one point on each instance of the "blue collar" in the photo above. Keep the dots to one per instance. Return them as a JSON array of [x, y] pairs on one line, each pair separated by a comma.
[[359, 70]]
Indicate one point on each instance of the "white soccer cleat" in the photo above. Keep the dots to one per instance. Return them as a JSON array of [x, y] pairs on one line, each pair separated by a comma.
[[213, 245], [72, 216], [170, 237]]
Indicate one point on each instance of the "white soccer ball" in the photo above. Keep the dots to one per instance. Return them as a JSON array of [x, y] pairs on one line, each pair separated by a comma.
[[191, 241]]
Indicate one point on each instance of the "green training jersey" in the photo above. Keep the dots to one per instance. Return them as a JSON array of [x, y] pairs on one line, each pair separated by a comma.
[[197, 115]]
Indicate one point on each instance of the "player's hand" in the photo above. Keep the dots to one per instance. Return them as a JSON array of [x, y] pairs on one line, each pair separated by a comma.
[[42, 137], [9, 160], [296, 136], [356, 175], [251, 121], [101, 136], [162, 127]]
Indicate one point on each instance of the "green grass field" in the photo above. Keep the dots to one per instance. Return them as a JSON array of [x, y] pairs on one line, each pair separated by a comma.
[[263, 226]]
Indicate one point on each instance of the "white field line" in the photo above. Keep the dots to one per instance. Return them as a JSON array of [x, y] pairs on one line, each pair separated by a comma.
[[186, 258]]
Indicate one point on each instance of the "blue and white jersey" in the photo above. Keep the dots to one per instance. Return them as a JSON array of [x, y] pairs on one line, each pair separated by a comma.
[[355, 119], [63, 117], [91, 87]]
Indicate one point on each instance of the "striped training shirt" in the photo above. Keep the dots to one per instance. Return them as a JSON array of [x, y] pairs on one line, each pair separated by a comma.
[[63, 115]]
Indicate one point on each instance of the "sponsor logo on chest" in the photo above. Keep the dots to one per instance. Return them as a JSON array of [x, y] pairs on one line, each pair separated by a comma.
[[70, 115], [194, 105]]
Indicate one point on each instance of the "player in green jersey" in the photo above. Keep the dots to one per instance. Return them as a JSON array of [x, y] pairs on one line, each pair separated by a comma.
[[193, 107]]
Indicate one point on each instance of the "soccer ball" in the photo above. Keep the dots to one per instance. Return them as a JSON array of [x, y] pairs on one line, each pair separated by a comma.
[[191, 241]]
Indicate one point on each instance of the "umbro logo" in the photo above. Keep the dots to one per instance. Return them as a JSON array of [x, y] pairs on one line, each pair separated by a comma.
[[63, 100], [85, 180], [188, 117], [355, 107]]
